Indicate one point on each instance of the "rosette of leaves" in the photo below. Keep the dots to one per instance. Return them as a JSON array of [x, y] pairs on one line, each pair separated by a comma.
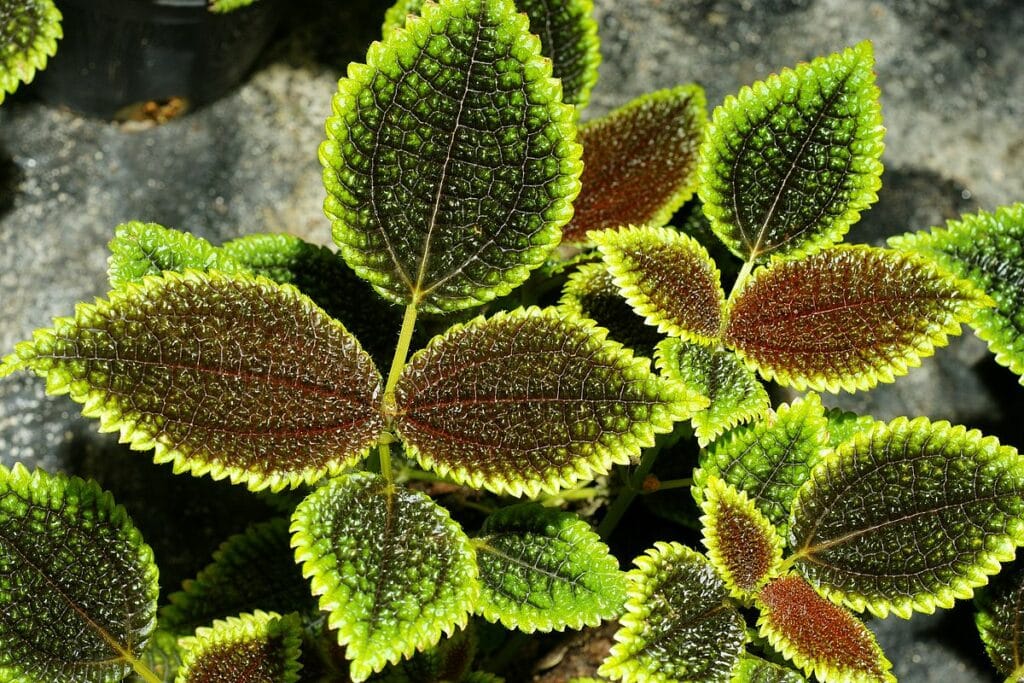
[[29, 31]]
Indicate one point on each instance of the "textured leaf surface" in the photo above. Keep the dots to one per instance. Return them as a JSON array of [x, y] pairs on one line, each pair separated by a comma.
[[667, 277], [254, 647], [228, 375], [29, 30], [734, 391], [679, 624], [447, 661], [1000, 620], [543, 569], [769, 460], [639, 162], [790, 163], [140, 249], [818, 636], [844, 425], [987, 249], [909, 516], [753, 669], [391, 568], [530, 401], [162, 657], [78, 587], [847, 317], [450, 160]]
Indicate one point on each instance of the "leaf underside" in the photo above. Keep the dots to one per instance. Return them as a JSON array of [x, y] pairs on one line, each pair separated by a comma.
[[639, 162], [79, 586], [29, 31], [543, 569], [140, 249], [847, 317], [529, 401], [252, 647], [450, 161], [988, 250], [789, 164], [909, 517], [753, 669], [391, 568], [233, 376], [1000, 620]]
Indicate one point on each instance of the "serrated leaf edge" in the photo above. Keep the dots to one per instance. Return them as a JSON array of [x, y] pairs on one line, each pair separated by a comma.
[[245, 627], [21, 67]]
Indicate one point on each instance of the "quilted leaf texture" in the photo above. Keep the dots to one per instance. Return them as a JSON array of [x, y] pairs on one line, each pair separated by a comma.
[[140, 249], [253, 647], [29, 31], [1000, 620]]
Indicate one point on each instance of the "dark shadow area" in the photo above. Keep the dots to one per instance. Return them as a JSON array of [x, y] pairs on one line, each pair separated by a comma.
[[955, 631], [10, 179]]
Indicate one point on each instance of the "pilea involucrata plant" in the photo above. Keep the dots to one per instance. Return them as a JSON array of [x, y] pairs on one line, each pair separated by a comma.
[[455, 167], [29, 31]]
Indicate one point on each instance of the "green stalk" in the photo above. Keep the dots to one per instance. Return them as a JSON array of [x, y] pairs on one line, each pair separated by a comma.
[[388, 402], [628, 493]]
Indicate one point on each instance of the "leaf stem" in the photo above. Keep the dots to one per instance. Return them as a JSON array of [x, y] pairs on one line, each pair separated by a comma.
[[144, 671], [628, 492], [741, 279], [384, 449], [672, 484], [388, 401]]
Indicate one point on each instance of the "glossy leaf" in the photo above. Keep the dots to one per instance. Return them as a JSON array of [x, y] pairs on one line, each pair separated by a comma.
[[667, 277], [79, 586], [391, 568], [844, 425], [233, 376], [1000, 620], [769, 460], [543, 569], [448, 661], [29, 31], [820, 637], [742, 544], [639, 162], [753, 669], [847, 317], [450, 161], [789, 164], [252, 647], [734, 391], [909, 516], [987, 249], [140, 249], [529, 401]]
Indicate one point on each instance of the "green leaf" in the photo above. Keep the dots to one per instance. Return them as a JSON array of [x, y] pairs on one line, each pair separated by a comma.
[[252, 570], [909, 516], [162, 657], [822, 638], [987, 249], [225, 6], [639, 162], [789, 164], [769, 460], [753, 669], [79, 587], [543, 569], [450, 161], [233, 376], [679, 622], [261, 646], [847, 317], [529, 401], [667, 277], [391, 568], [140, 249], [481, 677], [448, 661], [844, 425], [29, 31], [734, 391], [1000, 620]]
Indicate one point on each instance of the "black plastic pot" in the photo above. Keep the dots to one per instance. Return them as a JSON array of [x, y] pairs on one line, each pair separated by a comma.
[[117, 55]]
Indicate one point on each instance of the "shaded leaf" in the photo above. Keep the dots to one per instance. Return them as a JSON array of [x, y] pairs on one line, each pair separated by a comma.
[[734, 391], [140, 249], [987, 249], [260, 646], [162, 657], [543, 569], [448, 661], [529, 401], [481, 677], [79, 586], [233, 376], [639, 162], [1000, 620], [679, 622], [844, 425], [29, 31], [822, 638], [753, 669], [667, 277], [391, 568], [847, 317], [450, 161], [909, 516], [789, 164]]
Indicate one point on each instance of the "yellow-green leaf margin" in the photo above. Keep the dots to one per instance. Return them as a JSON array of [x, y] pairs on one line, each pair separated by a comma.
[[29, 31], [264, 643]]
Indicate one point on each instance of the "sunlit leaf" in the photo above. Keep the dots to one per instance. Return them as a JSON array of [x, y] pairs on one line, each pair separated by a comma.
[[844, 425], [29, 31], [233, 376], [140, 249], [734, 391], [78, 586], [639, 162], [260, 646], [1000, 620], [391, 568], [543, 569], [847, 317], [987, 249], [668, 278], [448, 661], [530, 401], [789, 163], [450, 161], [818, 636], [909, 516], [679, 623], [753, 669]]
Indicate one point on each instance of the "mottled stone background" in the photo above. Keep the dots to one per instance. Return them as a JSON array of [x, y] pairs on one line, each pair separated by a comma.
[[952, 80]]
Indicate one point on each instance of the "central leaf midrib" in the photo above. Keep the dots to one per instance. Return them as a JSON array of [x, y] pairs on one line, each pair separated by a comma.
[[485, 545]]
